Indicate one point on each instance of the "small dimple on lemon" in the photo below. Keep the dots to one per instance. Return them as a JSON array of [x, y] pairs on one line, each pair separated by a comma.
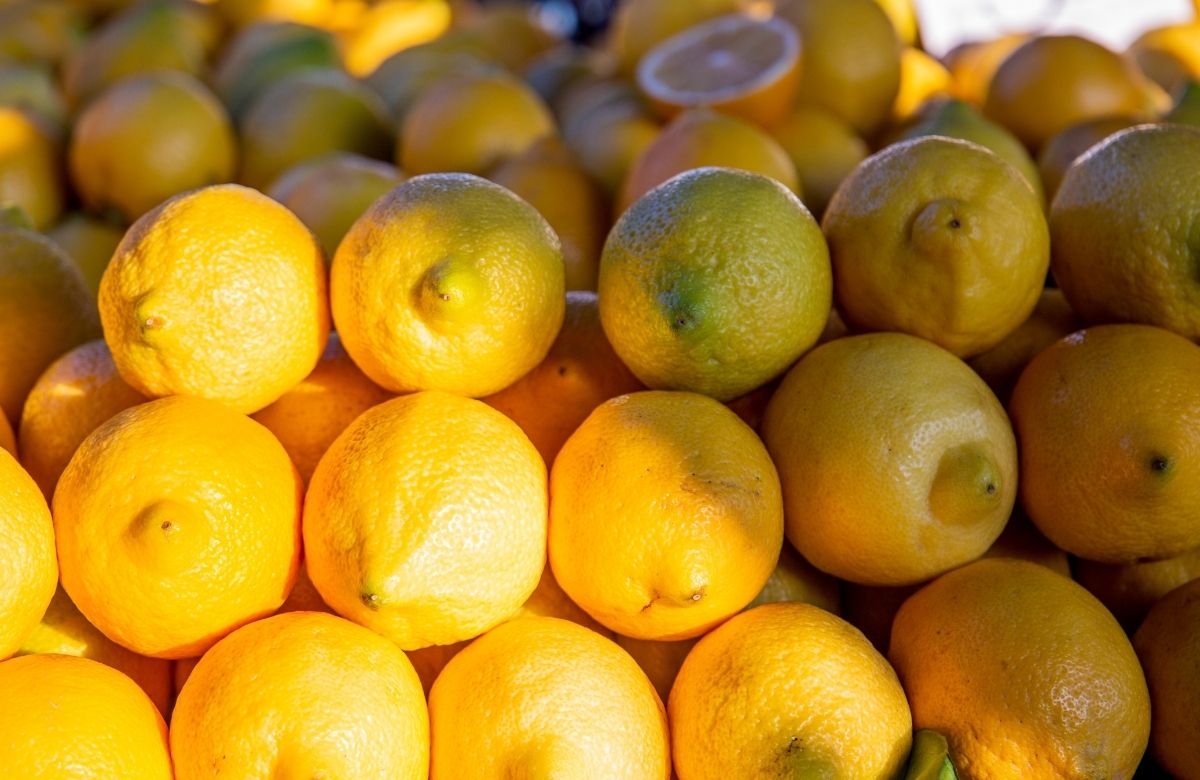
[[169, 535], [967, 484]]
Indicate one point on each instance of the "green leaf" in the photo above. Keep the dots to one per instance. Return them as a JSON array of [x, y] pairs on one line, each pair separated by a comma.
[[930, 758]]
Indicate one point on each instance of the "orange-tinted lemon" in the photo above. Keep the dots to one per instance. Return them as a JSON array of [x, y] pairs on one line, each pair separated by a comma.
[[737, 64], [78, 392], [1061, 151], [1106, 476], [266, 52], [1129, 590], [303, 694], [849, 59], [550, 178], [1121, 234], [544, 697], [330, 193], [470, 124], [1051, 82], [1018, 693], [89, 241], [307, 418], [448, 282], [177, 521], [925, 487], [307, 115], [28, 563], [1169, 55], [142, 38], [922, 79], [653, 532], [65, 631], [1168, 644], [684, 303], [426, 519], [30, 170], [62, 716], [939, 238], [823, 148], [1001, 366], [788, 690], [45, 310], [174, 300], [8, 440], [973, 64], [701, 138], [579, 373], [147, 138]]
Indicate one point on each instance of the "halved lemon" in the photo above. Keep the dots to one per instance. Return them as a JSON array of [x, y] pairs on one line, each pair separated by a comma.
[[738, 64]]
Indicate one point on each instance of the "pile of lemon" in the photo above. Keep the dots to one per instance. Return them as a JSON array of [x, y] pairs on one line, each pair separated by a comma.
[[393, 389]]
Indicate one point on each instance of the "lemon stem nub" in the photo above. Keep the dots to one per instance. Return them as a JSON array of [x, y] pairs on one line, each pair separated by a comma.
[[449, 290]]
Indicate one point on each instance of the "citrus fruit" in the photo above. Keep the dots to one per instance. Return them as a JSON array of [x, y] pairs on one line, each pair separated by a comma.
[[331, 192], [545, 697], [972, 65], [640, 25], [44, 311], [557, 70], [1186, 109], [89, 241], [470, 124], [1167, 644], [30, 175], [63, 630], [1129, 590], [76, 394], [29, 566], [239, 13], [788, 690], [308, 114], [448, 282], [1120, 229], [655, 534], [903, 15], [1169, 55], [1017, 694], [8, 441], [265, 52], [550, 178], [33, 88], [307, 418], [688, 307], [66, 716], [1001, 366], [145, 37], [701, 138], [302, 694], [737, 64], [939, 238], [174, 299], [579, 373], [610, 145], [793, 579], [511, 34], [147, 138], [1061, 151], [824, 150], [401, 78], [168, 552], [958, 119], [1106, 476], [925, 487], [547, 600], [1051, 82], [426, 519], [40, 31], [391, 26], [849, 59], [922, 79]]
